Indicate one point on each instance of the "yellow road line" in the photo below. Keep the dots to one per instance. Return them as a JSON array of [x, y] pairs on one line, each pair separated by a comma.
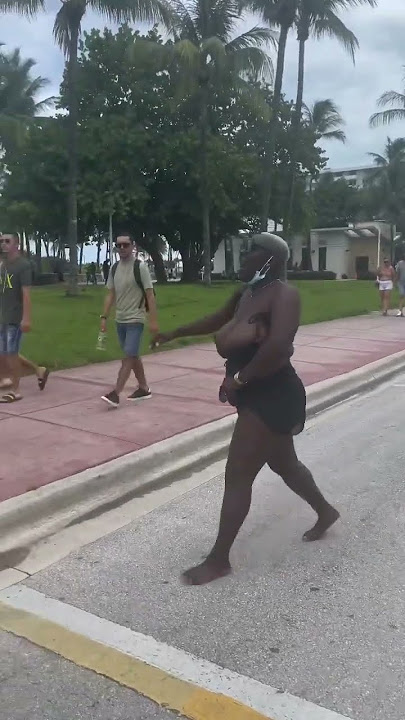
[[164, 689]]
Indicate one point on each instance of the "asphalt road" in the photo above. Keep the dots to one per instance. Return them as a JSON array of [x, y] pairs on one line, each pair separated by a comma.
[[324, 621]]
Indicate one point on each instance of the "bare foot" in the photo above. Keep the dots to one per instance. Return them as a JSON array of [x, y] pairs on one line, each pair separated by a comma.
[[207, 572], [323, 523]]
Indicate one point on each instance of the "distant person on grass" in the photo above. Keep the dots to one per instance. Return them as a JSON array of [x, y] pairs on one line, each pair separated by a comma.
[[15, 310], [106, 270], [130, 288], [385, 284], [255, 332], [400, 270]]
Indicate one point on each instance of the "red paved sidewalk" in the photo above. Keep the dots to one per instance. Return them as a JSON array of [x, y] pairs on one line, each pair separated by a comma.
[[66, 429]]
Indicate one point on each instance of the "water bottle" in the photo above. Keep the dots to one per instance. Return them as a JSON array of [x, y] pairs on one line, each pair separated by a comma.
[[101, 340]]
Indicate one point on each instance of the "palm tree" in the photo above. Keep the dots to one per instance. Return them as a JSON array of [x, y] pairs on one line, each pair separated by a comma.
[[281, 14], [318, 18], [325, 120], [67, 30], [18, 95], [212, 60], [396, 112], [388, 181]]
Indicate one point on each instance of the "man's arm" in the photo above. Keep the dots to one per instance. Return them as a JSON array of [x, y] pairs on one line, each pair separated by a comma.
[[208, 324], [108, 303], [26, 314], [276, 350], [152, 311]]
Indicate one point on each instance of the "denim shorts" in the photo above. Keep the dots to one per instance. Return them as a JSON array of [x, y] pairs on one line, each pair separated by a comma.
[[401, 288], [130, 336], [10, 339]]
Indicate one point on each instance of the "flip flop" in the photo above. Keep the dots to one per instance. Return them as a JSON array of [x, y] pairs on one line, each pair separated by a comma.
[[10, 397], [43, 380]]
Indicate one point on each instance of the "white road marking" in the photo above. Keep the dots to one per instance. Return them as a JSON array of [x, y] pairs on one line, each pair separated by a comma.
[[267, 700]]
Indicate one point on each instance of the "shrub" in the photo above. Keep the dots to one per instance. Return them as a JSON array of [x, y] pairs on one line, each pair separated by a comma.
[[46, 279], [311, 275], [367, 275]]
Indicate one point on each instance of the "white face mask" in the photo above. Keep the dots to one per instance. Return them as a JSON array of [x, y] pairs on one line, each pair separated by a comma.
[[261, 274]]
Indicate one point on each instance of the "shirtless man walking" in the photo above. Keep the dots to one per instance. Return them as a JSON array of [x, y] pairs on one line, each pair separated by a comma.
[[255, 332]]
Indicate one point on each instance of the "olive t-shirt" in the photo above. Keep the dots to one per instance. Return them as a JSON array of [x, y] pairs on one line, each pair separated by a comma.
[[129, 305], [14, 275]]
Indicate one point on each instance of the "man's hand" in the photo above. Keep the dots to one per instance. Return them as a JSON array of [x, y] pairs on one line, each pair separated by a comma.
[[25, 325], [103, 325], [228, 391], [161, 339], [154, 329]]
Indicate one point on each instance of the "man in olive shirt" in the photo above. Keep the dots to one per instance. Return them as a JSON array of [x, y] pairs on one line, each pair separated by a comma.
[[130, 287], [15, 309]]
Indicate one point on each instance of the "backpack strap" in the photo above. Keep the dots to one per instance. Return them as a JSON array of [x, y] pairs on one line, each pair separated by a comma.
[[114, 270], [138, 280]]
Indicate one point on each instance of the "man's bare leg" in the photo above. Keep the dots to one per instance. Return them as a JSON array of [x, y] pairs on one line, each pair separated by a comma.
[[139, 372], [123, 375], [14, 371], [252, 445]]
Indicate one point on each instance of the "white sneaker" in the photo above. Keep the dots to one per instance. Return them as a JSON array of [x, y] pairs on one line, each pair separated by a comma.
[[399, 313]]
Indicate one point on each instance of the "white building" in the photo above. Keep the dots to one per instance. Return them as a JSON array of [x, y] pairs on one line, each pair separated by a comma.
[[347, 251], [355, 176]]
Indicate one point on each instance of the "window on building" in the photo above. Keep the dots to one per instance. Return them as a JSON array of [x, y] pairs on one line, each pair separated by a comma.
[[322, 258]]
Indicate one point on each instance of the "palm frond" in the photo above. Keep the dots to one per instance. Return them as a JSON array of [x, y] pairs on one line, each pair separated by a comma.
[[254, 63], [255, 37], [22, 7], [387, 117], [67, 19], [122, 11], [330, 25], [335, 135], [378, 159], [182, 25], [391, 98]]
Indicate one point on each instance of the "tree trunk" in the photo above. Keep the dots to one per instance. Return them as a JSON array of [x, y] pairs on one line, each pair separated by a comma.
[[27, 244], [38, 259], [295, 127], [160, 270], [46, 246], [204, 188], [98, 253], [191, 268], [81, 257], [273, 130], [73, 106]]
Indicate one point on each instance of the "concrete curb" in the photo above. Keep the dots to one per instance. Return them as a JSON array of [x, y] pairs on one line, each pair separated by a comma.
[[28, 518]]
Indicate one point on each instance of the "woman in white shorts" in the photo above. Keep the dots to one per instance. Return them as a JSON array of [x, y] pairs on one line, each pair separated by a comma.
[[385, 283]]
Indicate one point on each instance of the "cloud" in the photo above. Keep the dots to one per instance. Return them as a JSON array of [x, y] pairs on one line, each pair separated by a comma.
[[329, 70]]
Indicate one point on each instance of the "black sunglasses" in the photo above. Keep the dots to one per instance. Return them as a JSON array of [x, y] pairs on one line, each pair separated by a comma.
[[122, 245], [6, 241]]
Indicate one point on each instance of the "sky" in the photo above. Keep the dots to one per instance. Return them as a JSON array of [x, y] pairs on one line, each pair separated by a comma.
[[329, 70]]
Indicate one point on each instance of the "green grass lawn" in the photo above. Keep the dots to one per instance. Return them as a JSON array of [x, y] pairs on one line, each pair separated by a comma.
[[65, 329]]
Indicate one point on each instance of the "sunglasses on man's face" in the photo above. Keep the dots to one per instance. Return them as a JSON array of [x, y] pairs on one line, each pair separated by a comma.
[[122, 245], [5, 241]]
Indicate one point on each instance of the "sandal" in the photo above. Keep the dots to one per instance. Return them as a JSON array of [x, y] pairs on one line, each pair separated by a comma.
[[43, 380], [11, 397]]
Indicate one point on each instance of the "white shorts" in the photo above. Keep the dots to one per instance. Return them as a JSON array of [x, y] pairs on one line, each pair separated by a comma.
[[386, 285]]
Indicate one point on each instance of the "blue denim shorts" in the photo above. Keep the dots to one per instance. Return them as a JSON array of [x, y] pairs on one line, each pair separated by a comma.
[[10, 339], [130, 336]]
